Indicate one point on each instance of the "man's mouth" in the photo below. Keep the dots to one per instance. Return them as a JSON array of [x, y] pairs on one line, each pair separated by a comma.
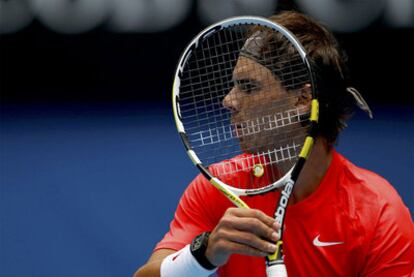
[[237, 128]]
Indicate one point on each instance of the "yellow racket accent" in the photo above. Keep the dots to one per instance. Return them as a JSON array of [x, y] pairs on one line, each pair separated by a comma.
[[231, 196], [274, 255], [314, 110], [307, 146]]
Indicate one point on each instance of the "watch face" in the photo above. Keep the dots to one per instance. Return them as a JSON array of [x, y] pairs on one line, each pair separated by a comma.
[[197, 242]]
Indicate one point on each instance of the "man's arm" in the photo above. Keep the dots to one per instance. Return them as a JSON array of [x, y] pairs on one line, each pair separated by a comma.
[[242, 231], [152, 267]]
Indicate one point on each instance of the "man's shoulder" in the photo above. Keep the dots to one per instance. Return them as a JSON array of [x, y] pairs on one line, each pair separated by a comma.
[[366, 183], [381, 219], [368, 192], [370, 202]]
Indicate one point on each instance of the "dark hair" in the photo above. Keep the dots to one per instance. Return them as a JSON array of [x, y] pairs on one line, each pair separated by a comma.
[[329, 64]]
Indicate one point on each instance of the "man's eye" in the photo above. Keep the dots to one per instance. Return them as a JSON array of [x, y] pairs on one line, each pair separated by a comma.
[[248, 87]]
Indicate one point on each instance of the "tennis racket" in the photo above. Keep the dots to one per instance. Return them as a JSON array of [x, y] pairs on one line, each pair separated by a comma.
[[245, 106]]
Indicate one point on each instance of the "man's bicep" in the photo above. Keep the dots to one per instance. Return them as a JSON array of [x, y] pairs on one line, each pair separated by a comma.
[[153, 265]]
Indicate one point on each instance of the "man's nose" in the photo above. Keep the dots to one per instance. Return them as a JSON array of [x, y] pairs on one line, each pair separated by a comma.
[[231, 102]]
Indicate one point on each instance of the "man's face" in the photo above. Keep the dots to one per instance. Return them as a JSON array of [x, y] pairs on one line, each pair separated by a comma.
[[263, 113]]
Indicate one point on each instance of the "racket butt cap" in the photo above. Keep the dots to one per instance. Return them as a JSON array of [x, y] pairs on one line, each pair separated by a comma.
[[277, 270]]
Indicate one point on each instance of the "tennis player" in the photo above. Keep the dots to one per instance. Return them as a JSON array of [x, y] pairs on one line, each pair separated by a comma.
[[342, 220]]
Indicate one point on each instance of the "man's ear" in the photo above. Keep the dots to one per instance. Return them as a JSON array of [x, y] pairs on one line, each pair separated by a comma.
[[305, 97]]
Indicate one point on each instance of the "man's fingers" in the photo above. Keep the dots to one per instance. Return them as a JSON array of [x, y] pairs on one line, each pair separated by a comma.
[[243, 249], [254, 241], [252, 213], [255, 226], [253, 221]]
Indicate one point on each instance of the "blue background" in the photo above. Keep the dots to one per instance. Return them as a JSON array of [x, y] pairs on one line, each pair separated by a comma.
[[89, 190]]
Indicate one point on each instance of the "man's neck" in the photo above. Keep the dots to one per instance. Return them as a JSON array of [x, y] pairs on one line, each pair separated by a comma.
[[313, 171]]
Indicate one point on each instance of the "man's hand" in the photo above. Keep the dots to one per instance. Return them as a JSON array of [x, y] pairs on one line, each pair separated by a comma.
[[242, 231]]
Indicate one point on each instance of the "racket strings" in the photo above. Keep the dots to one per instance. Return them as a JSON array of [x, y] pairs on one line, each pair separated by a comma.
[[225, 131], [189, 89], [207, 106], [288, 143], [294, 66], [191, 98], [266, 130], [287, 153]]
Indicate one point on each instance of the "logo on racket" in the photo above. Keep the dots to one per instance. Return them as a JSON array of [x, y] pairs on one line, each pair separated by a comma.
[[283, 202]]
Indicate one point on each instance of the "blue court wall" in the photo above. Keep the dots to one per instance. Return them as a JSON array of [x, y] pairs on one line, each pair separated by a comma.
[[88, 190]]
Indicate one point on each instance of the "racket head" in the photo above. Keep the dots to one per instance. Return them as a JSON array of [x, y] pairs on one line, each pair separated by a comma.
[[245, 102]]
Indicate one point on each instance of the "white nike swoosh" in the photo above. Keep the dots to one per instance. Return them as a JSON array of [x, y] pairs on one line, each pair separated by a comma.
[[319, 243]]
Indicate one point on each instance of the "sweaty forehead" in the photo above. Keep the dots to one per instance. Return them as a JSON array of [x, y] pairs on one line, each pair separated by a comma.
[[249, 69]]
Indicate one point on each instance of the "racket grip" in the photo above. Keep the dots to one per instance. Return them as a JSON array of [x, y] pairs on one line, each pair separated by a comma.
[[277, 270]]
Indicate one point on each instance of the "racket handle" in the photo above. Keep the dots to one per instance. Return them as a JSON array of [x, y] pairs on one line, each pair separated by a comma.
[[277, 270]]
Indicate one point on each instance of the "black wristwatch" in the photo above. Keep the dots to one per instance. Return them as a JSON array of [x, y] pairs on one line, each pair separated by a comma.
[[198, 248]]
